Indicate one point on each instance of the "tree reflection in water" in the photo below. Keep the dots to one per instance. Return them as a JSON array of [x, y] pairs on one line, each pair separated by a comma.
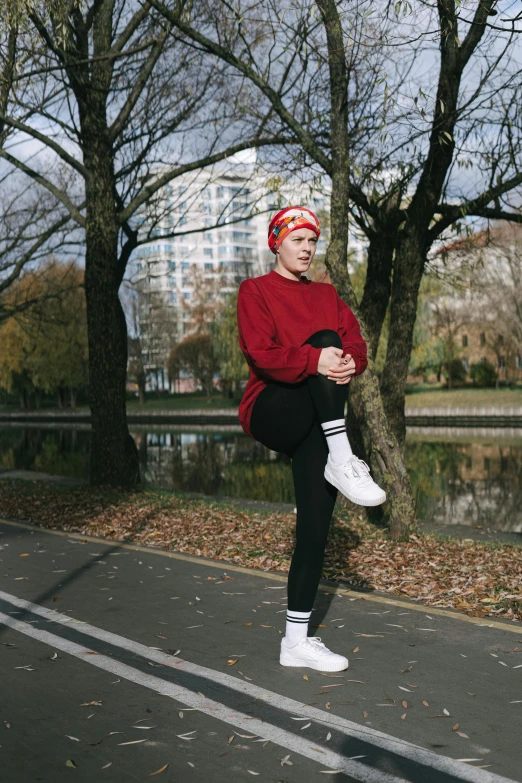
[[467, 483], [466, 480]]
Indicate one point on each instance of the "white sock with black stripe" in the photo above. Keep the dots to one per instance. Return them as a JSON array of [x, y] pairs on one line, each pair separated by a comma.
[[296, 626], [337, 440]]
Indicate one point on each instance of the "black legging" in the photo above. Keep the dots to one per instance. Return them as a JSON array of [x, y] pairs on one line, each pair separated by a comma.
[[287, 418]]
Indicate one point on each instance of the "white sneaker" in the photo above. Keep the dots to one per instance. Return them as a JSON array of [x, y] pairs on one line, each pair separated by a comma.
[[311, 652], [353, 479]]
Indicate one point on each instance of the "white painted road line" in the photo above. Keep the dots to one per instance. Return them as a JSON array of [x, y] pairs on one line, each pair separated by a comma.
[[212, 708], [380, 740]]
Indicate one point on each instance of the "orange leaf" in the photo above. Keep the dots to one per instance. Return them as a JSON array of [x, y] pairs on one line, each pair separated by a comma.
[[159, 771]]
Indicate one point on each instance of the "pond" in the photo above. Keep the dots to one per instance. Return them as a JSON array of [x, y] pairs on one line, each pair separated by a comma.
[[460, 477]]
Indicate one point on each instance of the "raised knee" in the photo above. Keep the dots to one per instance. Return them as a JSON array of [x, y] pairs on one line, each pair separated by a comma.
[[324, 338]]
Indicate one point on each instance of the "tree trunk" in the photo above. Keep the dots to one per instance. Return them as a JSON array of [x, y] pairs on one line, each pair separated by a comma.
[[114, 456], [379, 444], [385, 457], [377, 287], [72, 393], [407, 276]]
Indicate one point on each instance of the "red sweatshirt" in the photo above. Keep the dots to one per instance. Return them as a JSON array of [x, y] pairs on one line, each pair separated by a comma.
[[275, 316]]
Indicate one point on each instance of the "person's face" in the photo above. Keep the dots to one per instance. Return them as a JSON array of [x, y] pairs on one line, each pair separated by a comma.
[[297, 251]]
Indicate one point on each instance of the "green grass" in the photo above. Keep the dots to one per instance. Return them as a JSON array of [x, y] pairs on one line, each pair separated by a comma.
[[178, 402], [183, 402], [419, 396], [428, 397]]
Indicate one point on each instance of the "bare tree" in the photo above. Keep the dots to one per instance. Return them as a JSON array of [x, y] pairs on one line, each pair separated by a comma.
[[107, 91], [346, 85]]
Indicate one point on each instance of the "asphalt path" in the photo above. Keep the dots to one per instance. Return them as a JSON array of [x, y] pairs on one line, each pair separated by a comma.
[[120, 661]]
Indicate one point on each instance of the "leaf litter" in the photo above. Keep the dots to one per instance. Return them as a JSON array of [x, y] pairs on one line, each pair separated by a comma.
[[479, 578]]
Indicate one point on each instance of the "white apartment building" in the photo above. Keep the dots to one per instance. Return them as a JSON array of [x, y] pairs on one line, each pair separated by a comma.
[[217, 220]]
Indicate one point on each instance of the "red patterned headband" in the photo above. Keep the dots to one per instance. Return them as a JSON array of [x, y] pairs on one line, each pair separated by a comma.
[[288, 220]]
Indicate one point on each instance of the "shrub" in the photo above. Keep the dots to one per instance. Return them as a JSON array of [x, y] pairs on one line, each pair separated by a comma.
[[483, 374], [454, 372]]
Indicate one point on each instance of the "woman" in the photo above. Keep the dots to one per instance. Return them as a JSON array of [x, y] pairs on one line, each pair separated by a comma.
[[303, 345]]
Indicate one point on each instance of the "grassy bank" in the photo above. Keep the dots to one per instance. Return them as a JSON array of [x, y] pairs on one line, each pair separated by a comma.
[[417, 396], [429, 397], [482, 579]]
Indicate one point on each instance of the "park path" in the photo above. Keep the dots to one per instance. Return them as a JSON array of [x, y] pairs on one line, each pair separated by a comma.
[[125, 661]]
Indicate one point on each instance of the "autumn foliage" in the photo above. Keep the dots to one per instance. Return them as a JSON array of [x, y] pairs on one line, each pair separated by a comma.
[[44, 347]]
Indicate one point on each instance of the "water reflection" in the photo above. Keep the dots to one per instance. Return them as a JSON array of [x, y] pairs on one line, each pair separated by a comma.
[[461, 478], [215, 464]]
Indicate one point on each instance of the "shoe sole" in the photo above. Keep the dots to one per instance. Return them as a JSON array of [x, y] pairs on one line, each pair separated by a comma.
[[360, 501], [332, 667]]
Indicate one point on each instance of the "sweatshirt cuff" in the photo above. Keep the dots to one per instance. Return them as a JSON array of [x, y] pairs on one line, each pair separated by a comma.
[[313, 360], [360, 365]]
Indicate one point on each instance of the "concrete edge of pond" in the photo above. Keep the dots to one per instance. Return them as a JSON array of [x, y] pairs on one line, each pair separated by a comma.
[[491, 416]]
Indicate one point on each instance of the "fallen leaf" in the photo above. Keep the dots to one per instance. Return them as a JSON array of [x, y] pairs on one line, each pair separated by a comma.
[[132, 742], [91, 704], [404, 704], [461, 734], [305, 676], [72, 738], [469, 760], [159, 771], [70, 763], [403, 716], [232, 661], [365, 714], [426, 703]]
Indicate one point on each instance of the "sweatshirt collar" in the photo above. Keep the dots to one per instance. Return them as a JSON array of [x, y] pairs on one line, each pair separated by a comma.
[[285, 281]]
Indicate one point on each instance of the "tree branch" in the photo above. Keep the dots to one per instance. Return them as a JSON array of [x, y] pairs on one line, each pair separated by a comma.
[[29, 254], [139, 85], [305, 138], [48, 143], [164, 179], [477, 207], [57, 193]]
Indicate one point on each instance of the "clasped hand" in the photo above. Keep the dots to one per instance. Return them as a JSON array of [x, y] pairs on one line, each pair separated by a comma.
[[335, 366]]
